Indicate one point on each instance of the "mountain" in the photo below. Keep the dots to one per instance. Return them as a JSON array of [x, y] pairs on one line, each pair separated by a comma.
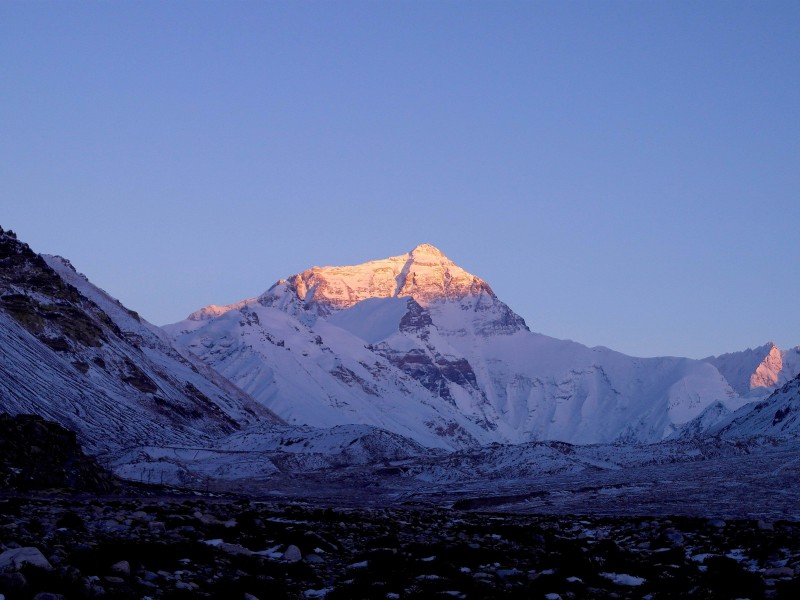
[[371, 368], [419, 346], [72, 354], [758, 369]]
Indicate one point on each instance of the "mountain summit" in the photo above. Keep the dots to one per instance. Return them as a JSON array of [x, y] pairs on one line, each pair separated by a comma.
[[424, 274]]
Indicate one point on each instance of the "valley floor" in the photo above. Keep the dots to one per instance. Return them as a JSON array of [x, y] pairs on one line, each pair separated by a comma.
[[761, 485], [200, 546], [752, 482]]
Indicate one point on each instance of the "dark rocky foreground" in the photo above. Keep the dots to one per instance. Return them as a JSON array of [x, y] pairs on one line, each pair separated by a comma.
[[37, 454], [206, 547]]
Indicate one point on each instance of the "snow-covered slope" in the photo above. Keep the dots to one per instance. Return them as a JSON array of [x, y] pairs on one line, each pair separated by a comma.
[[778, 416], [419, 346], [72, 354], [322, 375], [754, 374]]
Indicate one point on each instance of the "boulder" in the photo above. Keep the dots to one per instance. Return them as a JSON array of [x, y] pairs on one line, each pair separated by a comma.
[[314, 559], [123, 568], [16, 557], [292, 554]]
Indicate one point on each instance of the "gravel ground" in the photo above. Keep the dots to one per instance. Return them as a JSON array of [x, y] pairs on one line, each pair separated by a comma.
[[238, 548]]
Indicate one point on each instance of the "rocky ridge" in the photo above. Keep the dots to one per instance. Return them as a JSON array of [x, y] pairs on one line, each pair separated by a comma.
[[73, 354]]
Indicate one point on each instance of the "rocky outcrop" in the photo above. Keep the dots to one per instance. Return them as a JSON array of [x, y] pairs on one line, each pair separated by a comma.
[[416, 320], [46, 306], [434, 371]]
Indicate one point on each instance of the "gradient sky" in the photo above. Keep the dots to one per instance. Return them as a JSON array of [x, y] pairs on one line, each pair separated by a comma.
[[623, 174]]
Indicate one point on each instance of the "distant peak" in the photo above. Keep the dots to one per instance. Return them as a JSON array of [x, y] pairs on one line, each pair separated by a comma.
[[768, 349], [767, 374], [213, 310], [427, 250]]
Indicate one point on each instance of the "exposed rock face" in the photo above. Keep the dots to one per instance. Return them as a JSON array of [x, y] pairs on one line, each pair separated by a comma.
[[38, 454], [416, 320], [47, 307], [767, 373], [433, 370], [757, 369]]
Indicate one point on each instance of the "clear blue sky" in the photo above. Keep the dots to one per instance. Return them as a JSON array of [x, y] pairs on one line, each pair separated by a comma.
[[623, 174]]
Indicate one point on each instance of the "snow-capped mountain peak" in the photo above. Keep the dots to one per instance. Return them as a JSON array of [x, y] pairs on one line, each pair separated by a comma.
[[424, 274], [428, 251]]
